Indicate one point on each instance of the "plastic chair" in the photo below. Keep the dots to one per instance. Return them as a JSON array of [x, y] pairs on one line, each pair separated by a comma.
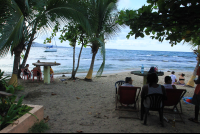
[[24, 75], [129, 96], [174, 98], [156, 104], [34, 73], [118, 83]]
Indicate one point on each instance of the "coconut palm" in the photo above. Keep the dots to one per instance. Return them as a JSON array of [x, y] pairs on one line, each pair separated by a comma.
[[102, 19], [195, 47], [22, 19]]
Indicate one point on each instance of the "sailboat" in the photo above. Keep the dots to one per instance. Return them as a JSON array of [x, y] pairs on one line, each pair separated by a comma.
[[50, 48]]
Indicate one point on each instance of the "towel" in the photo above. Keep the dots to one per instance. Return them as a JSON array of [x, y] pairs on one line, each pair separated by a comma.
[[185, 98]]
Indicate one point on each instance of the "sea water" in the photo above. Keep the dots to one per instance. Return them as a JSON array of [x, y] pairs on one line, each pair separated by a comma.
[[116, 60]]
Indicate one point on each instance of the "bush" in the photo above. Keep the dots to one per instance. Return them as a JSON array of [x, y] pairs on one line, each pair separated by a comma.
[[39, 127]]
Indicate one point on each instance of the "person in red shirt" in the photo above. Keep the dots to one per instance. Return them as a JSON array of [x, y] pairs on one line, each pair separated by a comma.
[[196, 98]]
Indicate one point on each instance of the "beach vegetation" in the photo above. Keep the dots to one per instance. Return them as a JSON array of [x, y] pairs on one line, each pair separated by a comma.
[[39, 127], [11, 111], [22, 21], [174, 21], [73, 32], [102, 16]]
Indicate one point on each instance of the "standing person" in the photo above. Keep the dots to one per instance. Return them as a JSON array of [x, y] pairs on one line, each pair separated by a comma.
[[168, 83], [173, 77], [196, 98], [27, 71], [128, 82]]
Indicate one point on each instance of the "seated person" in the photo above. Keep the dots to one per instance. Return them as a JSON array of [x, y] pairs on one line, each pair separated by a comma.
[[51, 72], [27, 71], [150, 88], [128, 82], [38, 71], [168, 82], [173, 77], [181, 79]]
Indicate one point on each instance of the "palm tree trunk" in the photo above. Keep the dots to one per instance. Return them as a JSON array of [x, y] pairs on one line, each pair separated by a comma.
[[89, 75], [74, 73], [28, 48], [13, 80], [191, 81]]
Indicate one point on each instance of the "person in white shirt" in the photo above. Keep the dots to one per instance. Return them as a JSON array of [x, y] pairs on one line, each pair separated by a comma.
[[168, 82], [128, 82], [173, 77]]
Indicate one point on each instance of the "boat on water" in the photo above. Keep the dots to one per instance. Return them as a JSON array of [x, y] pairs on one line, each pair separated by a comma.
[[50, 49]]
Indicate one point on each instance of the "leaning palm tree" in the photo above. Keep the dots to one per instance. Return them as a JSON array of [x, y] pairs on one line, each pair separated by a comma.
[[102, 19], [196, 48], [22, 19]]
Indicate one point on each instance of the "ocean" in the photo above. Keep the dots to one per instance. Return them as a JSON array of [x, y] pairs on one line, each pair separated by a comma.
[[116, 60]]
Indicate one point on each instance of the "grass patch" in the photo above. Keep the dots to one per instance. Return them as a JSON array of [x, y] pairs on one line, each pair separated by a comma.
[[39, 127]]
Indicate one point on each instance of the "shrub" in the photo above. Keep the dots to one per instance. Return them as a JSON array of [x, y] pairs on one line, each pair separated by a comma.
[[39, 127]]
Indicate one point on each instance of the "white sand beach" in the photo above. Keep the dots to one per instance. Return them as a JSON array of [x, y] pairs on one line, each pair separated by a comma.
[[90, 106]]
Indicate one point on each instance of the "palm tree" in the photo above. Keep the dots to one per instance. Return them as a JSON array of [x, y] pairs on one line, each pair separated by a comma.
[[22, 19], [194, 44], [102, 20]]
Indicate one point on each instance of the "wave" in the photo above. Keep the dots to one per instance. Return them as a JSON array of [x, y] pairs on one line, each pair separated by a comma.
[[165, 60]]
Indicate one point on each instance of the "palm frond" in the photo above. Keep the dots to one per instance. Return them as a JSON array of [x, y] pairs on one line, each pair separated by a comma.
[[12, 29]]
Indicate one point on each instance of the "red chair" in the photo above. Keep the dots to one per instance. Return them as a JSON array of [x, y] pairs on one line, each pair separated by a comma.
[[127, 97], [35, 72], [174, 97], [23, 75]]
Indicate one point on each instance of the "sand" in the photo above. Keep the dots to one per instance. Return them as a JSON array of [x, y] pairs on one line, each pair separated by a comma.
[[89, 107]]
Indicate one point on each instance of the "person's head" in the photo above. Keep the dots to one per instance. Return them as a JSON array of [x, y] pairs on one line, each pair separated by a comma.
[[38, 61], [173, 72], [128, 80], [168, 80], [152, 78], [182, 75], [27, 65], [152, 70]]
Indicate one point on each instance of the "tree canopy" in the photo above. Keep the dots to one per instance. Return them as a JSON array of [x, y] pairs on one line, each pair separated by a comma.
[[173, 20]]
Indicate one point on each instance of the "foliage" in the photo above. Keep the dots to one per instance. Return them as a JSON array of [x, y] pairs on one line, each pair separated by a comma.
[[39, 127], [173, 20], [102, 19], [4, 84], [3, 81], [10, 111]]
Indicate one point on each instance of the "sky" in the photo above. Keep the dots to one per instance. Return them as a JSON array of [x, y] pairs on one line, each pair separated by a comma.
[[121, 42]]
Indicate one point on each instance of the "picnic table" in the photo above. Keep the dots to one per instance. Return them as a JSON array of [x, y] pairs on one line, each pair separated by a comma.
[[46, 69], [145, 75]]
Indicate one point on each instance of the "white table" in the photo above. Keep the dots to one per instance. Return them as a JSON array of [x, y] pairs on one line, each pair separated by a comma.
[[46, 69]]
